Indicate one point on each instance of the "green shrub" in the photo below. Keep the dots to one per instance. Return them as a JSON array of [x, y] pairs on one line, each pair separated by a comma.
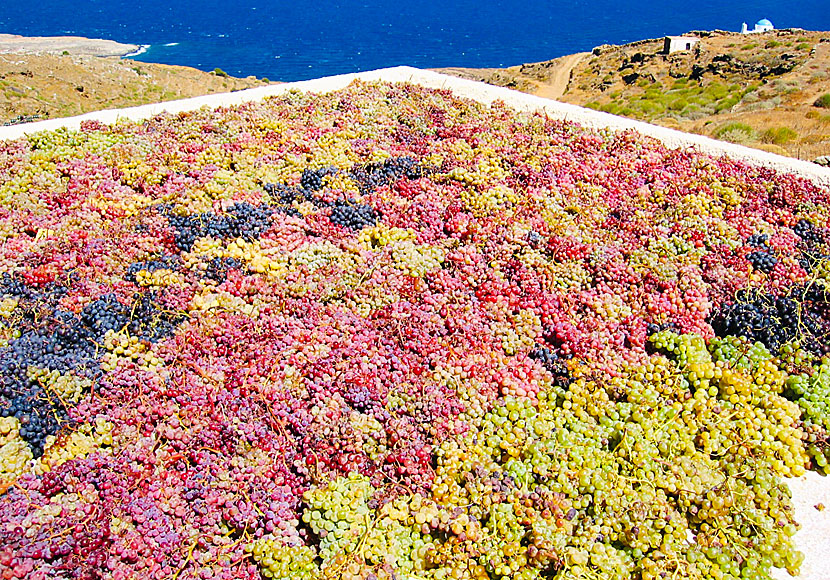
[[803, 46], [727, 103], [778, 135], [678, 104], [717, 91], [772, 44], [648, 107], [219, 72], [823, 101], [736, 133], [612, 108]]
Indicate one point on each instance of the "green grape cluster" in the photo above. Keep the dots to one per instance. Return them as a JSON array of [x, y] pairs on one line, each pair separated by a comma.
[[812, 394], [736, 389], [338, 514], [356, 539], [281, 562]]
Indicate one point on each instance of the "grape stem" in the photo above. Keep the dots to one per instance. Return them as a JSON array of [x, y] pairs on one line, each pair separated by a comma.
[[187, 560]]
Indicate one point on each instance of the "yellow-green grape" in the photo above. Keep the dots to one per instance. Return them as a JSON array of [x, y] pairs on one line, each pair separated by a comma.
[[281, 562], [15, 454], [338, 514], [67, 387], [316, 255], [812, 394], [7, 324], [80, 442]]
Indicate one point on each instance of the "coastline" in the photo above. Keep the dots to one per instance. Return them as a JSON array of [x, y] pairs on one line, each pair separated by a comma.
[[73, 45]]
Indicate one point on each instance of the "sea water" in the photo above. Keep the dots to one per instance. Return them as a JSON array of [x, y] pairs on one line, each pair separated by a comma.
[[295, 40]]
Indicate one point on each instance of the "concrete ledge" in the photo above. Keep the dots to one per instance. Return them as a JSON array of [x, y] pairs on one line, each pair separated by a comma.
[[464, 88], [808, 491]]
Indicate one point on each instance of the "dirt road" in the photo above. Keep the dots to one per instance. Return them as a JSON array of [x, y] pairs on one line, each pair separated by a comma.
[[557, 84]]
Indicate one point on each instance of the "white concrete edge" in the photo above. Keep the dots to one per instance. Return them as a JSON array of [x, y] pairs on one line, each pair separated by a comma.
[[474, 90]]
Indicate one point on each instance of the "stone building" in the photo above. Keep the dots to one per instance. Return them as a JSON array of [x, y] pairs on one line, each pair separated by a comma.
[[677, 43]]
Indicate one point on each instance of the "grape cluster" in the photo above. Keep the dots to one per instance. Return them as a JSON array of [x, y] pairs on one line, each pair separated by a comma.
[[242, 220], [105, 314], [762, 260], [352, 215], [776, 321], [313, 180], [217, 268], [553, 363], [813, 253], [760, 241], [35, 389], [152, 318], [807, 231], [373, 175], [284, 194], [167, 262], [39, 415], [58, 342], [812, 394]]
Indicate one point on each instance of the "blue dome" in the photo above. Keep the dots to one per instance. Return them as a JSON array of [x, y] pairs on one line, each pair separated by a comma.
[[764, 22]]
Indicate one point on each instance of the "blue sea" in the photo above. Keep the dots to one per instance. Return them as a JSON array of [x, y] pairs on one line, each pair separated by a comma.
[[289, 40]]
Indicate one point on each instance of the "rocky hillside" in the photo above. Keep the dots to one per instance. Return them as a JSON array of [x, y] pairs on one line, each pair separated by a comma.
[[42, 86], [763, 90]]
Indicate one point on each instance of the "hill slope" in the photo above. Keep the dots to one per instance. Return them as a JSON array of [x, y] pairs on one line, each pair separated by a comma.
[[758, 90], [38, 86]]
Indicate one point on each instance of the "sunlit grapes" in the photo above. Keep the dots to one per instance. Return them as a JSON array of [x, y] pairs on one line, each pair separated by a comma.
[[390, 333]]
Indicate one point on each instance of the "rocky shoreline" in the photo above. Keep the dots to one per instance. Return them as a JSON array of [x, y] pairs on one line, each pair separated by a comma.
[[72, 45]]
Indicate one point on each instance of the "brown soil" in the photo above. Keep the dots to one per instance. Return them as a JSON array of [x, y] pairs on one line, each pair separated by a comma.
[[42, 86], [754, 89]]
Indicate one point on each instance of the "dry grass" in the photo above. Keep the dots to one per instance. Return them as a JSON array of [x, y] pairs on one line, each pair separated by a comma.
[[767, 83], [48, 86]]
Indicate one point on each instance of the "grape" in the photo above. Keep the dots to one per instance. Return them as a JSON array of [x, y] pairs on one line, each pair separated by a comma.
[[387, 333], [352, 215], [762, 260]]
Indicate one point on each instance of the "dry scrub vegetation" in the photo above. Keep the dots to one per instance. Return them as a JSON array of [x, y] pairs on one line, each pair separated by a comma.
[[45, 86], [770, 91]]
